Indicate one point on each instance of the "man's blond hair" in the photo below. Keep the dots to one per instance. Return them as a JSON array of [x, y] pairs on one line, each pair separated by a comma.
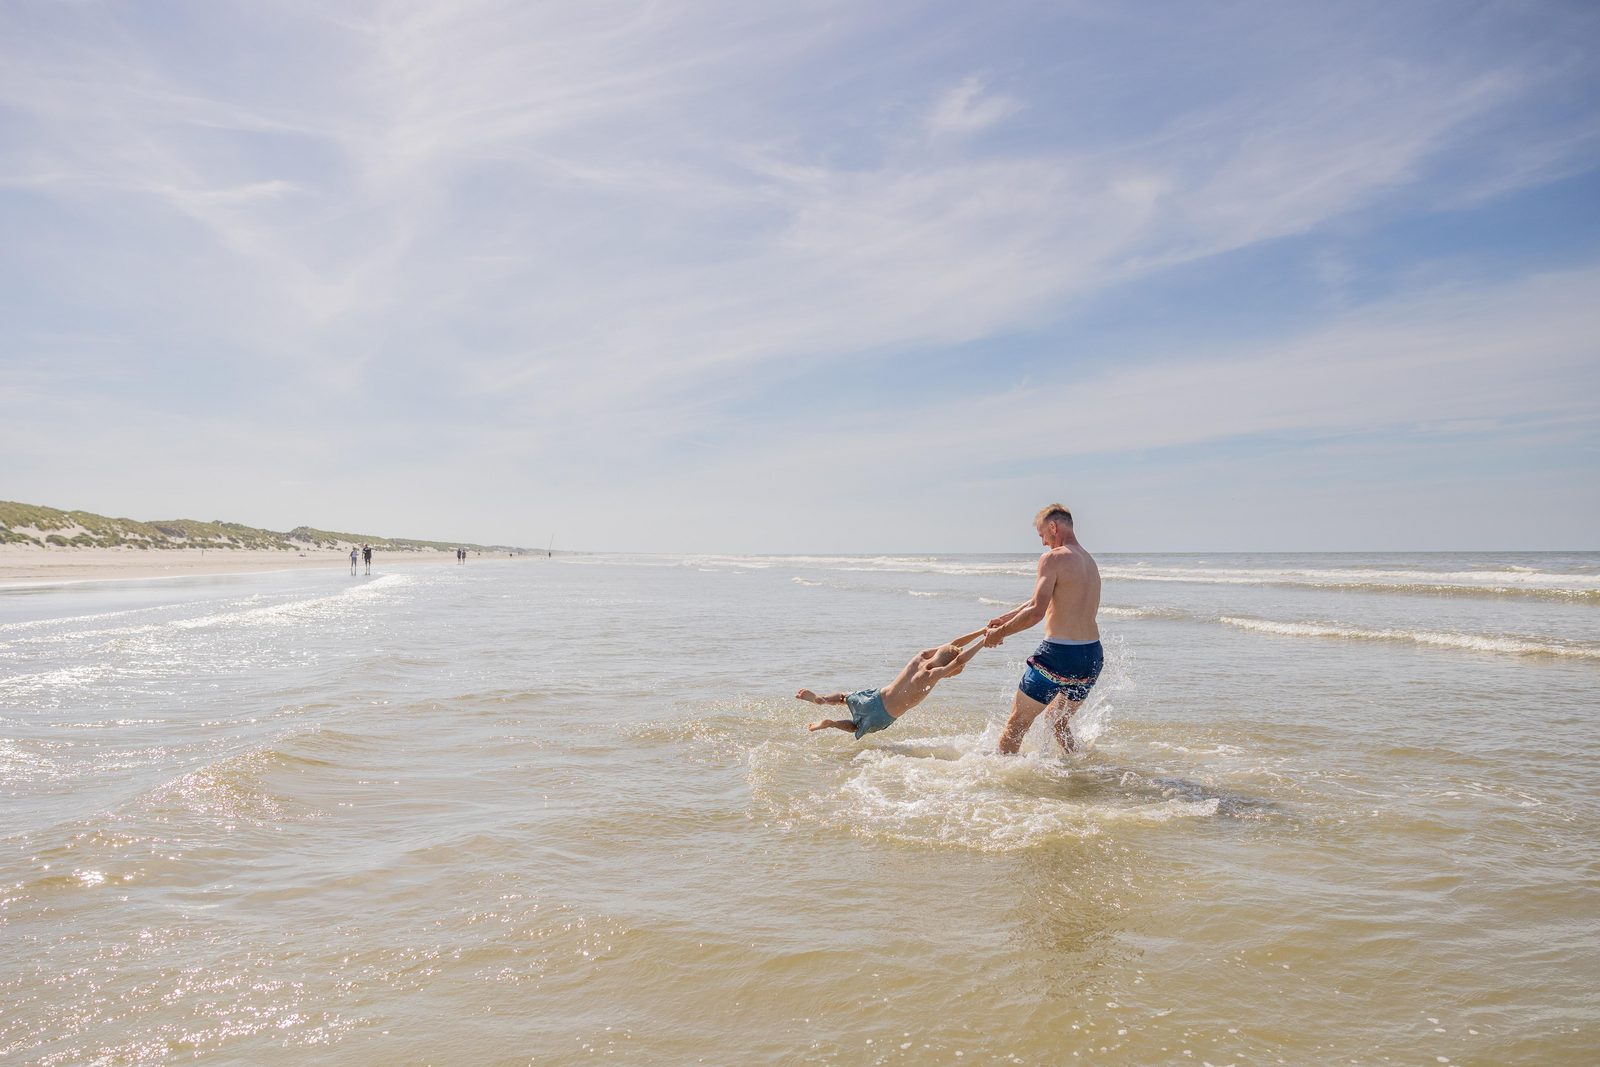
[[1049, 512]]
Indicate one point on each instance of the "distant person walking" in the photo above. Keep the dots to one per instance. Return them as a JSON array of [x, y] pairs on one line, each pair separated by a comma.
[[366, 556], [1065, 667], [352, 561]]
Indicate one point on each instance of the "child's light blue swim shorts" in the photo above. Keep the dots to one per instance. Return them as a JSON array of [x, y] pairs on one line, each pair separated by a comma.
[[867, 712]]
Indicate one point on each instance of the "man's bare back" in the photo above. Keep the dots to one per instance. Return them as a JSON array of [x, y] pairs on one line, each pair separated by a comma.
[[1074, 596], [1066, 595]]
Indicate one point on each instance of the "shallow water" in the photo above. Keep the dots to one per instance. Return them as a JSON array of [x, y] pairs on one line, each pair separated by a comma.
[[1330, 809]]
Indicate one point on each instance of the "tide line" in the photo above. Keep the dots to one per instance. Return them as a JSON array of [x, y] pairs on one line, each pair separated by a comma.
[[1503, 645]]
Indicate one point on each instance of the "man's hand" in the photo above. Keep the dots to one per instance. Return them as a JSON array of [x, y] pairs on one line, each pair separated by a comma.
[[992, 636]]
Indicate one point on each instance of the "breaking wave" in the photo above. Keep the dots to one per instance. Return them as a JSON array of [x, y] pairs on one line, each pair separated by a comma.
[[1517, 581], [1505, 645]]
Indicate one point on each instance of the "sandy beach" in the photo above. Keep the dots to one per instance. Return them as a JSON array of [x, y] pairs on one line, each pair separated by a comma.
[[25, 564]]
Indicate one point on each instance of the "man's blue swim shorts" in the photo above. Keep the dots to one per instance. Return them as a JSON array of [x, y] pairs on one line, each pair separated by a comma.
[[1062, 667], [867, 712]]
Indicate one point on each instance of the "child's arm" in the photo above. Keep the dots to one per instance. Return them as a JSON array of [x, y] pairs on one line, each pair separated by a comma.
[[929, 653], [957, 665], [974, 635], [960, 662]]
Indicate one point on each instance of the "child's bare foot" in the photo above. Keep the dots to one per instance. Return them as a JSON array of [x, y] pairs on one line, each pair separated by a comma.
[[806, 694], [837, 724]]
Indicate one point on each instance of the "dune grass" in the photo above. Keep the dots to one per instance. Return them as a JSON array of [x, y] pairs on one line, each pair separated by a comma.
[[36, 524]]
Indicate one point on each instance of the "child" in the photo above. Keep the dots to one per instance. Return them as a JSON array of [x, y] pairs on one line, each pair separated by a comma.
[[875, 709]]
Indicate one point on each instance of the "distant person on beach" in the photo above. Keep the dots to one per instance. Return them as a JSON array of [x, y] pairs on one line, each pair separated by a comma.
[[352, 560], [366, 556], [872, 710], [1065, 667]]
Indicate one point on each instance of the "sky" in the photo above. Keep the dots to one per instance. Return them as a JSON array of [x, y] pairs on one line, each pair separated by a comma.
[[814, 277]]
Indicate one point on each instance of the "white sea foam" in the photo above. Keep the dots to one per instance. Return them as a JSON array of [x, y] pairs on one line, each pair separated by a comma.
[[1503, 644], [292, 609], [956, 791], [1503, 579], [46, 681], [1511, 581], [1118, 612], [877, 564], [68, 635], [72, 620]]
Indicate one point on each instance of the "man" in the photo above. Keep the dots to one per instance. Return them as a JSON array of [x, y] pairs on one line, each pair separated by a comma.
[[1067, 598]]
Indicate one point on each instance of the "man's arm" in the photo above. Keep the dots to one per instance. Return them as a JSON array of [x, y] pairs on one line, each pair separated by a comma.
[[1029, 614], [1001, 620]]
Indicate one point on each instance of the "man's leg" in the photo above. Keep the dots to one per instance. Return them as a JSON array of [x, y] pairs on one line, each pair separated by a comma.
[[1024, 709], [1063, 721]]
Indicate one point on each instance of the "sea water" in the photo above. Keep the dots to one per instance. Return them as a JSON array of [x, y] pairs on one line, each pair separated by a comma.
[[1328, 809]]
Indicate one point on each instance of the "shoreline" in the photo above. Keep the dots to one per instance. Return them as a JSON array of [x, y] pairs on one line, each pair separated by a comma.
[[29, 565]]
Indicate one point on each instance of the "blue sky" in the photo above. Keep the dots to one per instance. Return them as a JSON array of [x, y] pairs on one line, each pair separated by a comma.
[[808, 277]]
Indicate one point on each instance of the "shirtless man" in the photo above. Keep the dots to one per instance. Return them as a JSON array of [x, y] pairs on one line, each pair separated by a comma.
[[1065, 667]]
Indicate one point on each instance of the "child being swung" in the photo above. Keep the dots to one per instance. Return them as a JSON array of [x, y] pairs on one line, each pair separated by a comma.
[[876, 709]]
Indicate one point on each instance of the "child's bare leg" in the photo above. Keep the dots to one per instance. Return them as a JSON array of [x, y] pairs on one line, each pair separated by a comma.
[[831, 698], [837, 724]]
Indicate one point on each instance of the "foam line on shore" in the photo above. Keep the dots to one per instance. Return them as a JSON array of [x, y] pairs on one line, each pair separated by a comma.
[[1503, 644], [1435, 583]]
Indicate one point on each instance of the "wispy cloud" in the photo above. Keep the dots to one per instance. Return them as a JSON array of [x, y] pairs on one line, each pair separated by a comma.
[[591, 230], [968, 108], [1441, 361]]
